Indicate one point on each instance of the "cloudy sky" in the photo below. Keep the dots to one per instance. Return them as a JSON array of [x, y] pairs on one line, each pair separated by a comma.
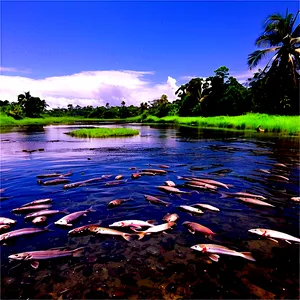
[[93, 53]]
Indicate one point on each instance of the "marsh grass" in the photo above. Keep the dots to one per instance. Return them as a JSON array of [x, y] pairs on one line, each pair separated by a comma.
[[103, 132], [270, 123]]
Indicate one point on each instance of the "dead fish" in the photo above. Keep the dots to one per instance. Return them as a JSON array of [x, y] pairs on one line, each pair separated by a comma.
[[277, 177], [207, 206], [82, 229], [211, 182], [34, 256], [163, 166], [21, 232], [132, 223], [222, 171], [273, 235], [155, 229], [83, 182], [156, 171], [39, 220], [46, 212], [109, 231], [132, 168], [146, 173], [242, 194], [213, 250], [52, 175], [263, 171], [200, 184], [280, 165], [135, 175], [195, 227], [25, 209], [170, 217], [4, 227], [117, 202], [7, 221], [155, 200], [36, 202], [191, 209], [296, 199], [117, 182], [171, 189], [170, 183], [54, 181], [118, 177], [255, 201], [69, 219]]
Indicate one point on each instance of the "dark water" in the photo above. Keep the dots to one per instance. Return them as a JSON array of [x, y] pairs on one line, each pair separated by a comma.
[[160, 266]]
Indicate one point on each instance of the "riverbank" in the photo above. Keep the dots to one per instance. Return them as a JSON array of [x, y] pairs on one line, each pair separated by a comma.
[[271, 123]]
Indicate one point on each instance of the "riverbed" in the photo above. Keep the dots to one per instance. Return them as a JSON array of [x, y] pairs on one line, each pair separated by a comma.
[[162, 265]]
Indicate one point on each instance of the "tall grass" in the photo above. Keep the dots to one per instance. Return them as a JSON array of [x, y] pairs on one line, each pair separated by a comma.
[[270, 123], [103, 132]]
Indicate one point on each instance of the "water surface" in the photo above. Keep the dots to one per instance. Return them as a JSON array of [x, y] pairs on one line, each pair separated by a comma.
[[160, 266]]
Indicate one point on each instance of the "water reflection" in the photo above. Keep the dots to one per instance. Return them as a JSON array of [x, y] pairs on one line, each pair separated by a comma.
[[160, 266]]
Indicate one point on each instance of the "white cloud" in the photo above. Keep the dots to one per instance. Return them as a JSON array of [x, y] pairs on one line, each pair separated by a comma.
[[89, 88], [15, 70]]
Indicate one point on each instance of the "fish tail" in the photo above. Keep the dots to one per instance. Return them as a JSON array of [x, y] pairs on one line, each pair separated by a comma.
[[78, 252], [128, 237], [223, 195], [248, 255], [141, 235]]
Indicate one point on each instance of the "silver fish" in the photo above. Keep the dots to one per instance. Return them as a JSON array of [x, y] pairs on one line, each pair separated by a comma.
[[36, 202], [46, 212], [255, 201], [170, 183], [25, 209], [34, 256], [54, 181], [207, 206], [243, 195], [213, 250], [68, 219], [273, 234], [156, 171], [155, 229], [21, 232], [191, 209], [39, 220], [171, 189], [155, 200], [170, 217], [132, 223]]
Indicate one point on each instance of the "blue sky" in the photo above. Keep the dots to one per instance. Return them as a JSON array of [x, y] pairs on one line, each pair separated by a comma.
[[170, 39]]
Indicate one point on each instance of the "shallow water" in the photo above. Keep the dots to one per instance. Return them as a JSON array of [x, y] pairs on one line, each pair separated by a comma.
[[160, 266]]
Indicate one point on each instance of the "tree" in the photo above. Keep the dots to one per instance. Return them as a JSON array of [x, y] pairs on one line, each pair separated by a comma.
[[31, 106], [281, 74]]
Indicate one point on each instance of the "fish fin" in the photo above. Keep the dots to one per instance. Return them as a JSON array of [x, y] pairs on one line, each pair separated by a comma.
[[78, 252], [273, 240], [191, 231], [68, 224], [128, 237], [91, 209], [214, 257], [287, 241], [133, 229], [165, 233], [141, 235], [65, 211], [151, 221], [248, 255], [34, 264]]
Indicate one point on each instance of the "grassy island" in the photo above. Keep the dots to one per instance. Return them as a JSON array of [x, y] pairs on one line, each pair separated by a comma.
[[103, 132]]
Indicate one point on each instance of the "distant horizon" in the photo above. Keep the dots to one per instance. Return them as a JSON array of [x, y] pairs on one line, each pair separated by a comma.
[[93, 53]]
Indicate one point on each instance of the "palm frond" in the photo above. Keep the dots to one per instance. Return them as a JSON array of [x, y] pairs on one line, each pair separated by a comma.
[[255, 57], [268, 40]]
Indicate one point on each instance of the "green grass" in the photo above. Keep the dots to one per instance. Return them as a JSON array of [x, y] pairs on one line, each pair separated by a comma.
[[103, 132], [271, 123]]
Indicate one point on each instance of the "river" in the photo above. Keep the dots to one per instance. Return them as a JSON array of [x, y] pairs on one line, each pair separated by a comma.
[[162, 265]]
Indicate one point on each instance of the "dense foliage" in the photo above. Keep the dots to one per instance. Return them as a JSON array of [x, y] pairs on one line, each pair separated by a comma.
[[273, 90]]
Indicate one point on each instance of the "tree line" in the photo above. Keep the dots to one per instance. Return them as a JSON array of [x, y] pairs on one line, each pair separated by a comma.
[[273, 90]]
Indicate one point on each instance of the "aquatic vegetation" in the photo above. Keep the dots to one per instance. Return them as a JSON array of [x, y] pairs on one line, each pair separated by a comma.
[[103, 132]]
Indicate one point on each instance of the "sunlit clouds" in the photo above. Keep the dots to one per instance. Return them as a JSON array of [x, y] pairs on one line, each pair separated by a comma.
[[94, 88]]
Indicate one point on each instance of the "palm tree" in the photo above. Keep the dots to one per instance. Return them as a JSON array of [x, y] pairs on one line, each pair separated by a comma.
[[281, 37]]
